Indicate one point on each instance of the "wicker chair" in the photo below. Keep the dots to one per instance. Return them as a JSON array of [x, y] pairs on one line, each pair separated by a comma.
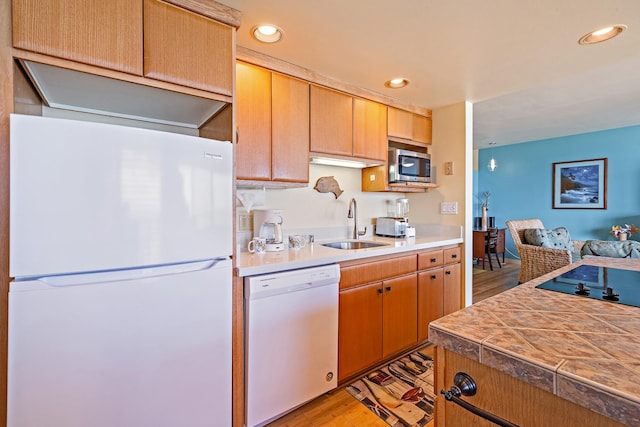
[[537, 260]]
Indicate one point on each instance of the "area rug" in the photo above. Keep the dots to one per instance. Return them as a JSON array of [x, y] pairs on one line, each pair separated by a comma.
[[401, 392]]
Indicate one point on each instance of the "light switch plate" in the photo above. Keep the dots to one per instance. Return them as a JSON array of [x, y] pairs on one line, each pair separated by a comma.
[[448, 168], [449, 208]]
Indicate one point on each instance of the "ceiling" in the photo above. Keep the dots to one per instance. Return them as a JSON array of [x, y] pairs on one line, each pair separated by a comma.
[[518, 62]]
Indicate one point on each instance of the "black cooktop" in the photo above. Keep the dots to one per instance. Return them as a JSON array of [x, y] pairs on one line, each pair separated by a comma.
[[601, 283]]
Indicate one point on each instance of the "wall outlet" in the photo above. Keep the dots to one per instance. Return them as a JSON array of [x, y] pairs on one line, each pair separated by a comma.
[[448, 168], [449, 208], [245, 222]]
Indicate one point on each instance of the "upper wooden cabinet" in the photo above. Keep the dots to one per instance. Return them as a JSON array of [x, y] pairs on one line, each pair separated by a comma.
[[187, 49], [289, 129], [343, 125], [331, 122], [272, 118], [147, 38], [253, 121], [409, 126], [107, 34], [369, 129]]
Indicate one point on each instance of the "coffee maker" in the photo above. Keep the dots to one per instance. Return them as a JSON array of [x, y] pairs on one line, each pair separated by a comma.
[[267, 223]]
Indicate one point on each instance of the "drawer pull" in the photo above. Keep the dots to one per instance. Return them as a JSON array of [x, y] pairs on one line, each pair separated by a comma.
[[454, 256], [434, 260], [379, 290], [433, 277], [464, 385], [388, 288], [447, 272]]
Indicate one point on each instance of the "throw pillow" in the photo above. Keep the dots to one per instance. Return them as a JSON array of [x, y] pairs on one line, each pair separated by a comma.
[[558, 238], [626, 249]]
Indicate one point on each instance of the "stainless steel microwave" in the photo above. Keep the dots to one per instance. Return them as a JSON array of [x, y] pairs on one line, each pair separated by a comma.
[[409, 166]]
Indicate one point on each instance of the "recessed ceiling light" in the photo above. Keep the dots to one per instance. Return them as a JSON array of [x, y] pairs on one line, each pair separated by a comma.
[[396, 83], [602, 34], [267, 33]]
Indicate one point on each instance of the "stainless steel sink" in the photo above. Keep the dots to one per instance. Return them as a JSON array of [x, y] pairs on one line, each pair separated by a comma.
[[353, 244]]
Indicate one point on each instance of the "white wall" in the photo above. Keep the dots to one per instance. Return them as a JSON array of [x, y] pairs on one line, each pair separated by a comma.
[[452, 142], [308, 211]]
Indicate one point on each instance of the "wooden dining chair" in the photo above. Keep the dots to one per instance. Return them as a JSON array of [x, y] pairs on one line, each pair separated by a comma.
[[490, 246]]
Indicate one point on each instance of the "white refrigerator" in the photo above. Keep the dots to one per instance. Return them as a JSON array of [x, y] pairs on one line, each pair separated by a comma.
[[120, 311]]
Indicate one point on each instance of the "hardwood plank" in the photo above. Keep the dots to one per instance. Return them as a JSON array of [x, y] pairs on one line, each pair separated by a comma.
[[487, 283]]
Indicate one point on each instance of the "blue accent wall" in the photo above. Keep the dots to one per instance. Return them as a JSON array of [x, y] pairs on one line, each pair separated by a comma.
[[521, 186]]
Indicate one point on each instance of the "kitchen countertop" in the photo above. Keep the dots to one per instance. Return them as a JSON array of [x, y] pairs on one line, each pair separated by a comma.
[[315, 254], [581, 349]]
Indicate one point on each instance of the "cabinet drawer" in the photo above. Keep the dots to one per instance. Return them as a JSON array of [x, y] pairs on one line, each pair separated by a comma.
[[365, 273], [430, 259], [452, 255]]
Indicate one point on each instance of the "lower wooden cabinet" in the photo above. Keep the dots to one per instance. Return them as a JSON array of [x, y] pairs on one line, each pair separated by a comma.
[[399, 314], [452, 293], [376, 321], [386, 305], [439, 287], [430, 299], [359, 330]]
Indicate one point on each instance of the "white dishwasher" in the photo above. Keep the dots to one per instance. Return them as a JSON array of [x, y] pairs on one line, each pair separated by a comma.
[[291, 340]]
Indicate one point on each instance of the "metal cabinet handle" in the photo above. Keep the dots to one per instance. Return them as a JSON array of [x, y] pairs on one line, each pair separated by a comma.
[[464, 385], [379, 290], [434, 259], [454, 256], [433, 277], [447, 272], [388, 288]]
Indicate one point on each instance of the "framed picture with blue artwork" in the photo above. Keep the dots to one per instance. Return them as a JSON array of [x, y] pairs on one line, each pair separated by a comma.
[[581, 184]]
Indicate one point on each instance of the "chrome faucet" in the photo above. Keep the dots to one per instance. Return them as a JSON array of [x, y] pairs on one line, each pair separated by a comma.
[[353, 213]]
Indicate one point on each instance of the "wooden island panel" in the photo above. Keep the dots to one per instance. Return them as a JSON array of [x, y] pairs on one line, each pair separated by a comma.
[[569, 350]]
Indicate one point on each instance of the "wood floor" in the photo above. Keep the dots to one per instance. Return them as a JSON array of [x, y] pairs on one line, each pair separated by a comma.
[[487, 283], [339, 409]]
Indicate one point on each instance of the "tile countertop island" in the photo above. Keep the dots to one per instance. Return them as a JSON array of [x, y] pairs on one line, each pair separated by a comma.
[[581, 349], [428, 236]]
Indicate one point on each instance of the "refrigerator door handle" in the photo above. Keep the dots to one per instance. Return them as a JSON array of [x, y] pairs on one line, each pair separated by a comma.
[[129, 274]]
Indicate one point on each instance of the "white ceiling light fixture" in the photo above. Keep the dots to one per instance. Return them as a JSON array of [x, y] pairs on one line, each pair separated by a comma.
[[267, 33], [493, 165], [602, 34], [396, 83]]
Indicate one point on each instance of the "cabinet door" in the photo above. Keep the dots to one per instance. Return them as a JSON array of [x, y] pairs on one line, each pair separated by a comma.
[[430, 299], [359, 330], [452, 290], [399, 324], [422, 129], [331, 122], [188, 49], [400, 123], [290, 129], [103, 33], [369, 129], [253, 120]]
